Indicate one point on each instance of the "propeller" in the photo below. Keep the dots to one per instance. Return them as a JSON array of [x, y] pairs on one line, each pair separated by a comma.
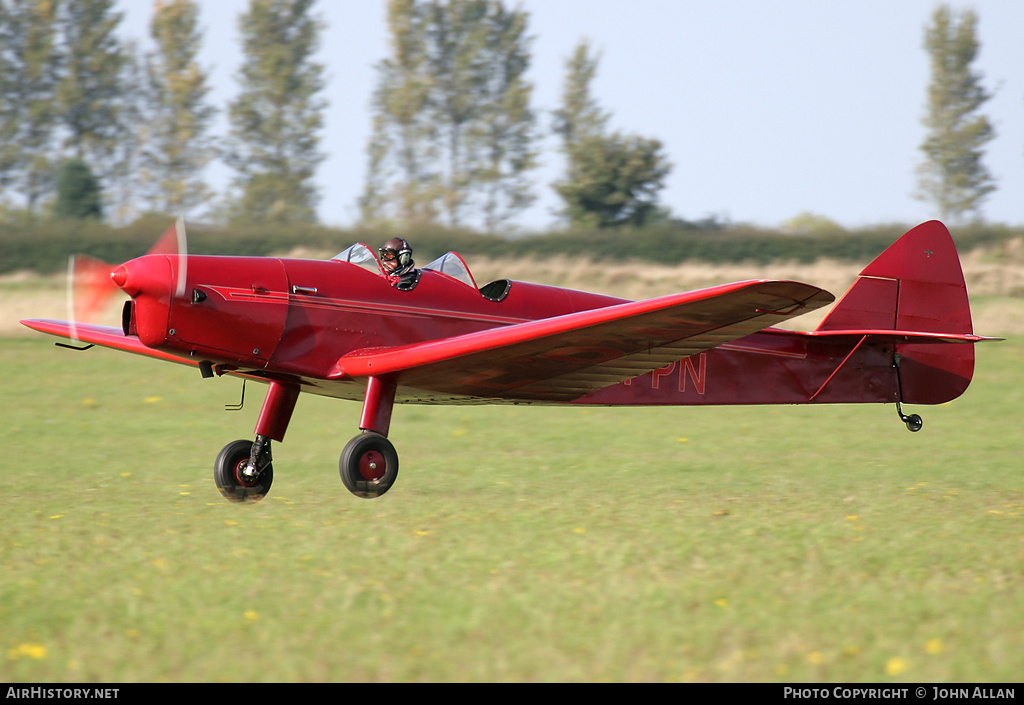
[[90, 288], [174, 243]]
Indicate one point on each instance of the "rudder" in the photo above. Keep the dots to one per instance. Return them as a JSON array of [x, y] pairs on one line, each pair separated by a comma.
[[915, 286]]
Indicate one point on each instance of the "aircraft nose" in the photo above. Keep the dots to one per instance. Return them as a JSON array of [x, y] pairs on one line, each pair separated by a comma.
[[120, 276], [150, 275]]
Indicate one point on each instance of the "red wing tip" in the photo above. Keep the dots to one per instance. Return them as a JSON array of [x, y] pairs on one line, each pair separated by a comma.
[[39, 324]]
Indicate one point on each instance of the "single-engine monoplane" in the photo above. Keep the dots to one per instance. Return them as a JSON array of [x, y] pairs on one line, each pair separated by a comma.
[[902, 334]]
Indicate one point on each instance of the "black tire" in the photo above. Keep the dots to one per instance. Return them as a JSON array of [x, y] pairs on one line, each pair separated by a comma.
[[227, 474], [914, 423], [369, 465]]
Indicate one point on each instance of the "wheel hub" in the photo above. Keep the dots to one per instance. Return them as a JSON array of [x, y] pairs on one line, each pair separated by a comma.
[[246, 475], [372, 466]]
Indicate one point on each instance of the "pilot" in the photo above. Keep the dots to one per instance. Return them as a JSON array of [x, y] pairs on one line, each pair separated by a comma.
[[397, 265]]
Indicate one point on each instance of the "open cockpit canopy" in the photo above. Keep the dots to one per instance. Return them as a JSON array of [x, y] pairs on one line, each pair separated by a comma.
[[360, 255], [449, 264]]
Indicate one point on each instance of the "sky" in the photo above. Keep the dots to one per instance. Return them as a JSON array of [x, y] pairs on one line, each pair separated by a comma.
[[765, 109]]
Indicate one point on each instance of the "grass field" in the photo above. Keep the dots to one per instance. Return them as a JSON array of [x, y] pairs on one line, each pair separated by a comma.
[[519, 544]]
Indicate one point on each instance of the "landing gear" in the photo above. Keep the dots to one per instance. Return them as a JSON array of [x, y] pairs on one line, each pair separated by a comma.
[[369, 465], [913, 422], [244, 470]]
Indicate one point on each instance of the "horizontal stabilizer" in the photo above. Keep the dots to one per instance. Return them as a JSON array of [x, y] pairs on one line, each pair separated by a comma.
[[902, 336]]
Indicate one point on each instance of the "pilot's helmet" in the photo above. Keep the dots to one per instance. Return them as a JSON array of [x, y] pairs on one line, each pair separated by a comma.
[[396, 254]]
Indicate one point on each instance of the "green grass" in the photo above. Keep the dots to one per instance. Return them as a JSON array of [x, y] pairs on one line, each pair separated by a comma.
[[519, 544]]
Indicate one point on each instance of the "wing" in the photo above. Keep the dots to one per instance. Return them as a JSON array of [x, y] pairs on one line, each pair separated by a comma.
[[106, 336], [563, 358]]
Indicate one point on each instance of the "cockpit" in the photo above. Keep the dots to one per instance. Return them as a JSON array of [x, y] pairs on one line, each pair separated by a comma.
[[449, 264]]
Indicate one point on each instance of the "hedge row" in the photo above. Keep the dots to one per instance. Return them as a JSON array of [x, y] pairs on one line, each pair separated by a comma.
[[44, 247]]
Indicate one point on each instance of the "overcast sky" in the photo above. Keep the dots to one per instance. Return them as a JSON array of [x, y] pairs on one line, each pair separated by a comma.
[[766, 109]]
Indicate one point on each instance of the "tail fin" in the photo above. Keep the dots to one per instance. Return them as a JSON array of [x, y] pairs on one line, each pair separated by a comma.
[[914, 293]]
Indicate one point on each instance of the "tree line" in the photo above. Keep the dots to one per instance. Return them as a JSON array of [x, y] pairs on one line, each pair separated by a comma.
[[91, 127]]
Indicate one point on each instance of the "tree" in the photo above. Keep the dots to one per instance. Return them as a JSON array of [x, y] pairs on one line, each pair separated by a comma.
[[504, 138], [276, 118], [177, 146], [28, 78], [580, 116], [952, 175], [455, 37], [452, 121], [90, 90], [10, 66], [400, 182], [611, 179], [78, 191], [124, 179]]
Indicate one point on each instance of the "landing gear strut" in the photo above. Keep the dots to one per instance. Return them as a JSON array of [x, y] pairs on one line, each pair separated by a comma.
[[369, 463], [913, 422], [244, 470]]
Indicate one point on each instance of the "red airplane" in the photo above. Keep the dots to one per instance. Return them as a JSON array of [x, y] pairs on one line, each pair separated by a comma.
[[902, 334]]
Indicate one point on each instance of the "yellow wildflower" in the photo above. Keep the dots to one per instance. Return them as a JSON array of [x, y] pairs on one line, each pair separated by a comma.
[[895, 666], [31, 650]]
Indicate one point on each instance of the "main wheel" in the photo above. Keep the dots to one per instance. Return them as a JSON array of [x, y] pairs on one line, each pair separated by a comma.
[[227, 473], [369, 465]]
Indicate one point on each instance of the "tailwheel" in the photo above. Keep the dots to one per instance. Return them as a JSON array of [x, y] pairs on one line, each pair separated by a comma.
[[369, 465], [243, 475], [914, 422]]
